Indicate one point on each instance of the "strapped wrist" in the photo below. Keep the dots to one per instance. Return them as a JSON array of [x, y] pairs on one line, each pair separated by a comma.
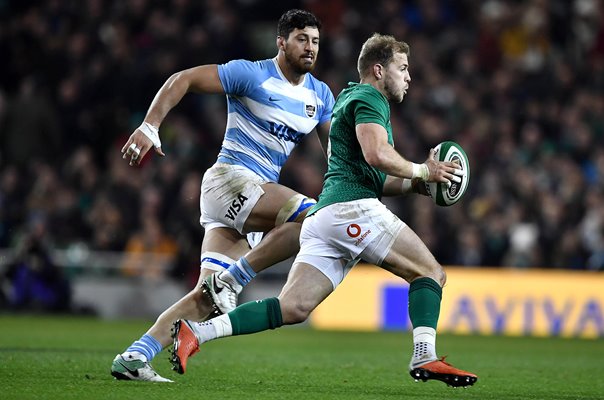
[[420, 171], [151, 132]]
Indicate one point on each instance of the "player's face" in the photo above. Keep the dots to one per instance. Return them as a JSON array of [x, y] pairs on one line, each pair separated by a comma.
[[397, 78], [301, 49]]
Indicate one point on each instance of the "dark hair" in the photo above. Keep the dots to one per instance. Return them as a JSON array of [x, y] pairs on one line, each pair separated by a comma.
[[379, 49], [296, 19]]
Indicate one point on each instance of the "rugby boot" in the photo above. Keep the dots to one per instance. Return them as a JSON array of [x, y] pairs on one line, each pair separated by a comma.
[[445, 372]]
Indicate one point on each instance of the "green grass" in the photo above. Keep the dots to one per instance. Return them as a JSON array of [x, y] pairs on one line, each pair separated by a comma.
[[69, 358]]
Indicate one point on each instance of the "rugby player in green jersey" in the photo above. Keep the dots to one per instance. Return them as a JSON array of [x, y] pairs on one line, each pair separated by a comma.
[[350, 223]]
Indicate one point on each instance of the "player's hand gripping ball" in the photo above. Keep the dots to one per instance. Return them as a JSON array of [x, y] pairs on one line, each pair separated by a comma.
[[442, 194]]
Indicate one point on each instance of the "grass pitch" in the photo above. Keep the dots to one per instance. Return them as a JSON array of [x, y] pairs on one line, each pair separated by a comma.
[[69, 358]]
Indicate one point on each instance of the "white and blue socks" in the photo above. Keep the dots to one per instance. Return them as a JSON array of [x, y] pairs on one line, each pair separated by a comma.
[[146, 348], [238, 274]]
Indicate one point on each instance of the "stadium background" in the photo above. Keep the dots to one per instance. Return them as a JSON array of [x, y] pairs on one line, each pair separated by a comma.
[[519, 84]]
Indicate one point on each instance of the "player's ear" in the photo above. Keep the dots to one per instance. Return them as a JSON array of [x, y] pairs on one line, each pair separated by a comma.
[[377, 71], [281, 43]]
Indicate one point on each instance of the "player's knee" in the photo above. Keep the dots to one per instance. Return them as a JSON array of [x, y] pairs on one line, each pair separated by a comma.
[[295, 312], [299, 313], [436, 272], [442, 277], [439, 275]]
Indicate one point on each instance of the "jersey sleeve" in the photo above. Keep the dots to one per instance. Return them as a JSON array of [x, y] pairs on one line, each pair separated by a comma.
[[329, 101], [369, 108], [238, 76]]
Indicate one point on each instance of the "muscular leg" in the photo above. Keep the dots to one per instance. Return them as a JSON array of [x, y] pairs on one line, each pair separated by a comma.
[[409, 258], [277, 204], [281, 242], [194, 305], [264, 214], [305, 289], [278, 245]]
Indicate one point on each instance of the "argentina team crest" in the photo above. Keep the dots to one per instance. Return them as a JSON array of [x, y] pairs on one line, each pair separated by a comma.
[[310, 110]]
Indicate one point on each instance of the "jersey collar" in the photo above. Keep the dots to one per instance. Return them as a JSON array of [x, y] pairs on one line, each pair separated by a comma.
[[283, 76]]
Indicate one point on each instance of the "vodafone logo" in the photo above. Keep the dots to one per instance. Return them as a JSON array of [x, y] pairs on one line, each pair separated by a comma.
[[353, 230]]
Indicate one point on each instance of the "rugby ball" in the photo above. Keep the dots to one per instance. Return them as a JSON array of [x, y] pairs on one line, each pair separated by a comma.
[[439, 192]]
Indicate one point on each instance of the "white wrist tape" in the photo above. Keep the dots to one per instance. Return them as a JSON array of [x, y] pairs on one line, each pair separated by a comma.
[[420, 171], [151, 132], [406, 185]]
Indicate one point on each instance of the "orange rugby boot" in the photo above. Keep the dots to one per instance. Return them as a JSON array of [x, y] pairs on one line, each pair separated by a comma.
[[185, 345], [445, 372]]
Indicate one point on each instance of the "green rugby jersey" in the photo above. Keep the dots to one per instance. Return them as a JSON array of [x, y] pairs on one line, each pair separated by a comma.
[[349, 176]]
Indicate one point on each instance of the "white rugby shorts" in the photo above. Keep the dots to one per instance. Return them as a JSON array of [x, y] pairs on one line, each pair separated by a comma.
[[337, 236], [228, 195]]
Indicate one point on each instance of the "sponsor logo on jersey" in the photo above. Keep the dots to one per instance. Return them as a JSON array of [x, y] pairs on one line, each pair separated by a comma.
[[353, 230], [363, 236], [235, 207], [285, 133], [310, 110]]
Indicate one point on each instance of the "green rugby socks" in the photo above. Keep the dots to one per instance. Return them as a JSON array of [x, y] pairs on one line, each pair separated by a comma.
[[424, 302], [256, 316], [425, 295], [252, 317]]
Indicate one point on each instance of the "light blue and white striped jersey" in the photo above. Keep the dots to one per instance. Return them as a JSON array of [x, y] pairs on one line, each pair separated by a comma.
[[267, 115]]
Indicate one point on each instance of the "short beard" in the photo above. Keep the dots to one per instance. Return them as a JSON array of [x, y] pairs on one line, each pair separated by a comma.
[[296, 67], [390, 95]]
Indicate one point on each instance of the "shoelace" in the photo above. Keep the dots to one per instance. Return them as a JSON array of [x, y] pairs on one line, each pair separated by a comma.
[[232, 298]]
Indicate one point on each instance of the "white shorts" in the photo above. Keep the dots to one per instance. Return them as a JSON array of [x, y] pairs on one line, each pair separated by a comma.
[[336, 237], [228, 195]]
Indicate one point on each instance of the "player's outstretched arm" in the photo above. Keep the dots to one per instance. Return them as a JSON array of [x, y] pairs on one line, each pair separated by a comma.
[[202, 79]]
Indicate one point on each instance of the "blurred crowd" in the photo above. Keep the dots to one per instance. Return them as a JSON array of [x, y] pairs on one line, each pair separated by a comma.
[[519, 84]]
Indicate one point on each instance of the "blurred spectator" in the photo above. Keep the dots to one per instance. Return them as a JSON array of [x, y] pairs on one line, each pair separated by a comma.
[[469, 247], [105, 217], [149, 251], [29, 126], [35, 283]]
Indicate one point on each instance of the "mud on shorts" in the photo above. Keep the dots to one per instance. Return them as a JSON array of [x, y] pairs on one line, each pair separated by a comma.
[[338, 236], [228, 195]]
